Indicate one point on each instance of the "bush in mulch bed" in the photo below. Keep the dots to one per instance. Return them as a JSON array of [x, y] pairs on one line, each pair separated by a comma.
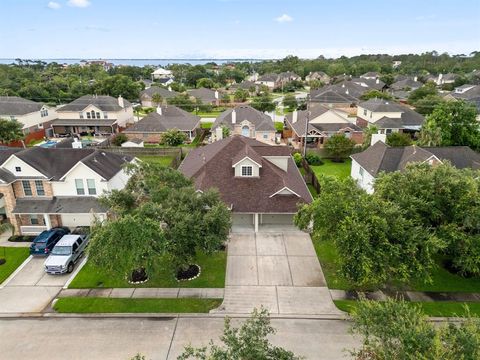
[[139, 276], [2, 261], [191, 273], [21, 238]]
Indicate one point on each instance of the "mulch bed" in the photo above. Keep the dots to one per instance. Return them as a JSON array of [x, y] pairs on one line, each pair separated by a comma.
[[21, 238], [191, 273], [2, 261]]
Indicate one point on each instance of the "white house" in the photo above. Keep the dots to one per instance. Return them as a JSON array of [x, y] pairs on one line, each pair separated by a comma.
[[162, 73], [42, 188]]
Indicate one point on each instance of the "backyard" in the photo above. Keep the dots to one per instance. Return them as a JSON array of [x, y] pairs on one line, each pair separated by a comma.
[[14, 257], [340, 170], [157, 159]]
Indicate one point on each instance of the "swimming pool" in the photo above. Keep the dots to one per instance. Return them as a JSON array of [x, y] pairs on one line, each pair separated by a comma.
[[49, 144]]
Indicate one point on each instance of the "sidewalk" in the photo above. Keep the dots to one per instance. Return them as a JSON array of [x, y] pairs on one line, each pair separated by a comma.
[[145, 293], [406, 295]]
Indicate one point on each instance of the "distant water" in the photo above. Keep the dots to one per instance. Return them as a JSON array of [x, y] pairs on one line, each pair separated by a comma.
[[141, 62]]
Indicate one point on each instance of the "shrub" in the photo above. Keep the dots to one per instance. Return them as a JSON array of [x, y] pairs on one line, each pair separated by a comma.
[[173, 137], [21, 238], [313, 159], [119, 139], [297, 157]]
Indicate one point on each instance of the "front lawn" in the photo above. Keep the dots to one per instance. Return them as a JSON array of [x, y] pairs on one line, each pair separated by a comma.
[[113, 305], [327, 255], [207, 125], [438, 308], [15, 256], [157, 159], [340, 170], [212, 276]]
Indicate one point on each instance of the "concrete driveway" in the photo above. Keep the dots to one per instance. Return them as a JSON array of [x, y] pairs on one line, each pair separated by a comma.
[[279, 270], [30, 290]]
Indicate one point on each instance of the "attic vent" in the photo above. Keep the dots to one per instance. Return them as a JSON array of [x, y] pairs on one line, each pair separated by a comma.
[[95, 159], [104, 154]]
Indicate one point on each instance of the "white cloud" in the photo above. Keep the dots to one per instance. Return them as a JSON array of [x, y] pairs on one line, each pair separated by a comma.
[[284, 18], [53, 5], [79, 3]]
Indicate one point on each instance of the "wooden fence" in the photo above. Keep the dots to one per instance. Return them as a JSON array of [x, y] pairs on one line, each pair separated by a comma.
[[310, 177]]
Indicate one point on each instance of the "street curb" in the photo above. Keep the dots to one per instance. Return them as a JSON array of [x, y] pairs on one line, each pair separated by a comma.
[[17, 270]]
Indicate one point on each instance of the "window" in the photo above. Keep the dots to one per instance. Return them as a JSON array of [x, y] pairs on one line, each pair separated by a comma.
[[105, 115], [34, 219], [79, 186], [27, 189], [246, 131], [88, 115], [44, 113], [98, 115], [13, 118], [371, 114], [247, 171], [91, 187], [265, 136], [361, 171], [364, 112], [39, 187], [93, 114], [81, 115], [389, 131], [18, 169]]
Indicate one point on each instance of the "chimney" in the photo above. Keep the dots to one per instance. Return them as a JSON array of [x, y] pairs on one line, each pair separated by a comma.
[[234, 116], [294, 116], [378, 137], [377, 81], [415, 78], [169, 88], [159, 110], [343, 85], [216, 94], [346, 92], [218, 133], [120, 101]]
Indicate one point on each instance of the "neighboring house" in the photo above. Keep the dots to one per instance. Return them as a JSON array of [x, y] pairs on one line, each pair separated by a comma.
[[93, 114], [162, 73], [367, 165], [247, 121], [260, 183], [42, 188], [275, 81], [245, 85], [396, 64], [32, 115], [207, 96], [133, 143], [147, 94], [370, 84], [318, 75], [372, 75], [323, 122], [102, 63], [167, 117], [343, 95], [467, 92], [388, 116], [166, 81], [406, 84], [446, 78]]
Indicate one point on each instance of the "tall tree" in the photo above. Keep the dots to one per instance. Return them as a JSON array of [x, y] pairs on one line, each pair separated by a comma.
[[10, 130], [263, 102], [339, 147]]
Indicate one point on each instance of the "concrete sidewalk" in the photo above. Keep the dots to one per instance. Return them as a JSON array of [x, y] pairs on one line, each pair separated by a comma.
[[146, 293], [427, 296]]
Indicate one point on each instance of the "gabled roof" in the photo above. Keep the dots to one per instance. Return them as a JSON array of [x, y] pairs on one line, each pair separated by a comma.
[[408, 117], [344, 92], [204, 94], [210, 166], [164, 93], [406, 83], [376, 84], [381, 157], [269, 77], [102, 102], [14, 105], [262, 121], [172, 118]]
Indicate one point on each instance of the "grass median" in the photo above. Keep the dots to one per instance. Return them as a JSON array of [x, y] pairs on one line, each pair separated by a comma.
[[116, 305], [14, 257]]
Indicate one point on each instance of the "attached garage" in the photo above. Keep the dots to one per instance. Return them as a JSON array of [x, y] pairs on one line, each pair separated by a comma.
[[73, 220], [276, 219], [243, 219]]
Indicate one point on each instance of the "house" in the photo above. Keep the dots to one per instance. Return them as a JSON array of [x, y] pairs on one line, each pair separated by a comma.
[[318, 75], [370, 84], [167, 117], [275, 81], [42, 188], [371, 75], [396, 63], [93, 114], [207, 96], [388, 116], [250, 86], [260, 183], [323, 122], [407, 83], [133, 143], [382, 158], [467, 92], [32, 115], [147, 95], [343, 95], [446, 78], [247, 121], [162, 73], [104, 64]]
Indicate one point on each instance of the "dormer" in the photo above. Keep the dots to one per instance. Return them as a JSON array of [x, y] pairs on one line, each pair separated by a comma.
[[247, 167], [279, 161]]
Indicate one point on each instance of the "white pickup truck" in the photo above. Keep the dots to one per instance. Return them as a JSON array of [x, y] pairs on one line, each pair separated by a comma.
[[65, 254]]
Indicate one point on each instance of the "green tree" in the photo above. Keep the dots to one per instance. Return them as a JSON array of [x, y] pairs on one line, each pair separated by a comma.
[[10, 130], [248, 342], [339, 147], [367, 135], [399, 139], [375, 94], [456, 121], [426, 105], [290, 102], [157, 99], [315, 84], [119, 85], [173, 137], [263, 102], [397, 330], [225, 99], [240, 95], [428, 89], [205, 83], [182, 101], [119, 139]]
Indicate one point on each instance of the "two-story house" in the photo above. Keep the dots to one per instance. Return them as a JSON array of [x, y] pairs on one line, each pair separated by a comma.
[[247, 121], [93, 115], [45, 187], [260, 183], [32, 115]]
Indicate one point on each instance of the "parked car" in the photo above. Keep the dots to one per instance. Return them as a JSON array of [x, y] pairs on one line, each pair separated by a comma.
[[65, 254], [46, 240]]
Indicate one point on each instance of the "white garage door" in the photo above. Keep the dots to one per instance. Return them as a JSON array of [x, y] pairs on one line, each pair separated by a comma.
[[72, 220], [242, 219], [283, 219]]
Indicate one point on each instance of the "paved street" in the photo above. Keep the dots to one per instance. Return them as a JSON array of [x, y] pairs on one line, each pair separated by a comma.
[[155, 338], [279, 270]]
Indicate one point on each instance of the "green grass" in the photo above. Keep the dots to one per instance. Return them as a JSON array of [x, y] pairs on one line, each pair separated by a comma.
[[212, 114], [213, 276], [312, 190], [114, 305], [327, 255], [278, 126], [156, 159], [207, 125], [15, 256], [438, 308], [35, 142], [340, 170]]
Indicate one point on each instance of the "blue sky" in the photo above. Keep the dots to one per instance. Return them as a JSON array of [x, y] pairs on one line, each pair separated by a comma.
[[235, 28]]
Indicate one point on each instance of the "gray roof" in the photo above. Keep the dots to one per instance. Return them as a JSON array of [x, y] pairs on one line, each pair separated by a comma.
[[344, 92], [164, 93], [269, 77], [54, 163], [204, 94], [262, 121], [103, 102], [408, 117], [381, 157], [59, 205], [376, 84], [370, 74], [172, 118], [83, 122], [14, 105], [406, 83], [473, 93]]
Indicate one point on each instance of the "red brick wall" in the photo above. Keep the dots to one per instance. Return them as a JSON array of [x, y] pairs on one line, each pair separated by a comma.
[[361, 122]]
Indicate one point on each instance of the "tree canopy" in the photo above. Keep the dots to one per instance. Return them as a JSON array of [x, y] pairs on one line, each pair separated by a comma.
[[339, 147], [10, 130]]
